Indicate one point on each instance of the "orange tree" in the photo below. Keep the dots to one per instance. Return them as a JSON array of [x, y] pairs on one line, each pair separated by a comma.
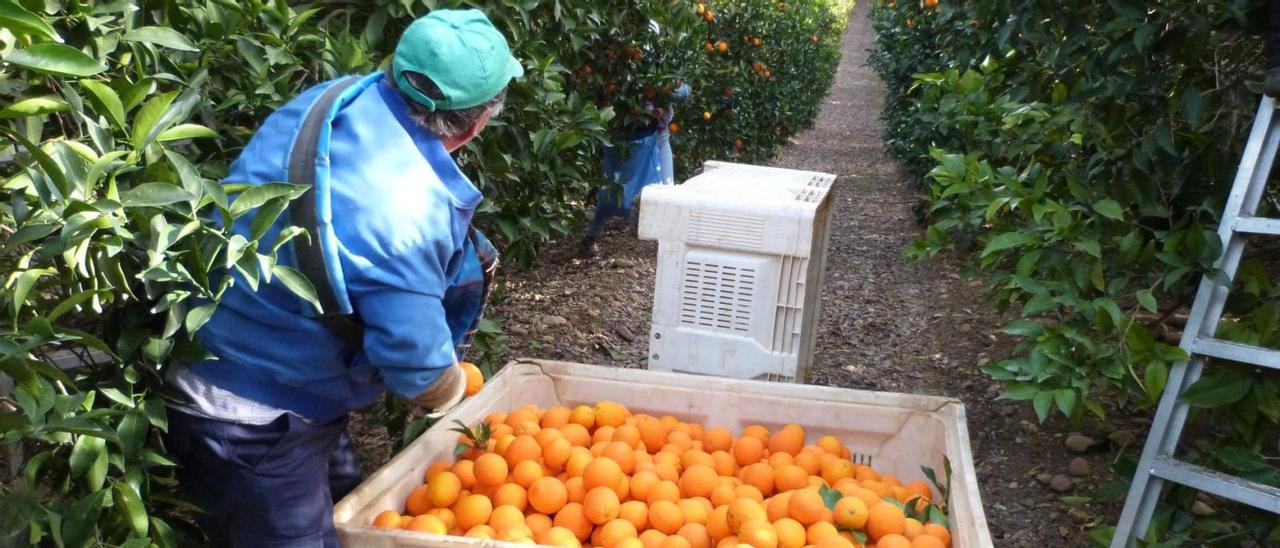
[[1081, 153], [118, 119]]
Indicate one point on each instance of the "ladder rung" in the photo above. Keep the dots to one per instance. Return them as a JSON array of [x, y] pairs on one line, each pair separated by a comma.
[[1216, 483], [1258, 225], [1237, 352]]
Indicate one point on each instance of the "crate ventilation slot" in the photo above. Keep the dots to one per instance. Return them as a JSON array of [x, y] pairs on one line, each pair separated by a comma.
[[786, 323], [717, 296], [726, 229], [813, 190]]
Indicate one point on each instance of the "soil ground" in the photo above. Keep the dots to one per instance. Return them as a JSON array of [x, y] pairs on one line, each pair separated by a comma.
[[886, 323]]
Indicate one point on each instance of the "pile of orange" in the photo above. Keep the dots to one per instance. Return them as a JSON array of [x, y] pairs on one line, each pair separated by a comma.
[[601, 476]]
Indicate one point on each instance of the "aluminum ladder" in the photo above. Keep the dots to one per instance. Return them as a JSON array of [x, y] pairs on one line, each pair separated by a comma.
[[1158, 464]]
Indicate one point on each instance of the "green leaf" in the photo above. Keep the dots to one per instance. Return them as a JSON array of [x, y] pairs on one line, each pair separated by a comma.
[[255, 196], [830, 496], [20, 21], [936, 515], [106, 101], [1043, 402], [55, 59], [1005, 241], [51, 168], [22, 285], [156, 414], [1147, 300], [68, 304], [185, 131], [160, 36], [117, 396], [1217, 390], [85, 453], [198, 316], [35, 106], [1110, 209], [265, 217], [1155, 377], [156, 194], [133, 434], [1066, 400], [1023, 328], [148, 116], [129, 505], [298, 284], [81, 518], [1242, 460]]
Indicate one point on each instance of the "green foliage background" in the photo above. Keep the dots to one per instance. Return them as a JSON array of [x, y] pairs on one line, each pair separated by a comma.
[[119, 118], [1080, 153]]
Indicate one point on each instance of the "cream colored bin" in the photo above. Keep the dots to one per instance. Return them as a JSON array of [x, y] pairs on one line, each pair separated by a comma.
[[895, 433]]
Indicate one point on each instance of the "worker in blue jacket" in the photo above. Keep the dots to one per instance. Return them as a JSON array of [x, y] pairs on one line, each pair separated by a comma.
[[260, 433]]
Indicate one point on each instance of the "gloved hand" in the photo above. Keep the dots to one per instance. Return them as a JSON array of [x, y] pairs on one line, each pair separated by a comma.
[[446, 392]]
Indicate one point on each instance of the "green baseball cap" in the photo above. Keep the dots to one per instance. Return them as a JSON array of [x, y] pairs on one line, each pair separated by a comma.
[[459, 50]]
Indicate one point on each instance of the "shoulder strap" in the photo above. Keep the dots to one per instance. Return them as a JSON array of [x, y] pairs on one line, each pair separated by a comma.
[[302, 171]]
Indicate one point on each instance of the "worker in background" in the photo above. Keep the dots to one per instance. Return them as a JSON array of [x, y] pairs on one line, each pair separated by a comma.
[[261, 436], [645, 159]]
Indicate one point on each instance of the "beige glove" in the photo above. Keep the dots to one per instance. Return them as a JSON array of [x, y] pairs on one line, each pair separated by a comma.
[[445, 393]]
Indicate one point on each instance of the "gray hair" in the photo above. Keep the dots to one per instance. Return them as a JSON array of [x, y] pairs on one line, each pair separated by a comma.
[[444, 124]]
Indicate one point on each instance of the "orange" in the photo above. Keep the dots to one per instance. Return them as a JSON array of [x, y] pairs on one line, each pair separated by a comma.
[[466, 472], [434, 469], [696, 534], [642, 483], [777, 460], [584, 416], [601, 505], [652, 538], [472, 510], [820, 530], [608, 413], [864, 473], [776, 507], [885, 519], [850, 513], [788, 439], [919, 489], [504, 517], [664, 490], [760, 476], [577, 463], [790, 477], [548, 495], [717, 439], [679, 439], [698, 480], [428, 523], [653, 432], [573, 517], [759, 534], [636, 512], [602, 472], [523, 448], [834, 541], [389, 519], [912, 529], [445, 515], [791, 533], [538, 523], [622, 454], [831, 444], [631, 542], [577, 434], [805, 507], [481, 531], [665, 516], [694, 511], [555, 417], [810, 462], [868, 496], [756, 431], [742, 511], [511, 494], [835, 470], [419, 501], [575, 489], [616, 530], [731, 541], [927, 541], [561, 537], [724, 463], [443, 489], [628, 434], [526, 472], [697, 456], [748, 450], [556, 452], [601, 435], [748, 491], [938, 531], [718, 523], [490, 469], [675, 541], [475, 379], [893, 540], [546, 436], [720, 496], [515, 533]]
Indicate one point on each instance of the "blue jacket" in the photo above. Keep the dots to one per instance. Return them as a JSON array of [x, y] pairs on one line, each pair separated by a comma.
[[394, 212]]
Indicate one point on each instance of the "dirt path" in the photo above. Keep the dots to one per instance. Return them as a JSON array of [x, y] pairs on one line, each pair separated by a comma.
[[887, 323]]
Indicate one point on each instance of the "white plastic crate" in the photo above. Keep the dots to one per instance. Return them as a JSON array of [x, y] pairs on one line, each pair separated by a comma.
[[894, 433], [741, 254]]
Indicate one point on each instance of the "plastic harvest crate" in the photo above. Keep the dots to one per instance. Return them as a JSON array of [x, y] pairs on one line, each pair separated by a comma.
[[895, 433], [741, 254]]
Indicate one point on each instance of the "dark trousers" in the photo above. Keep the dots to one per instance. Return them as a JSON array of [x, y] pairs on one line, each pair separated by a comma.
[[271, 485]]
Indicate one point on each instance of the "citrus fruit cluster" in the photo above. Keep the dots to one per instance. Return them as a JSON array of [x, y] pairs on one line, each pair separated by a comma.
[[601, 476]]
